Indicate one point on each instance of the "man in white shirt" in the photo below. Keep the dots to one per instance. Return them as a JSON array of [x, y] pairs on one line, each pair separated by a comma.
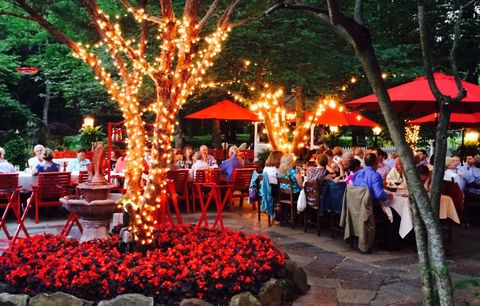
[[38, 158], [5, 166], [396, 177], [451, 172]]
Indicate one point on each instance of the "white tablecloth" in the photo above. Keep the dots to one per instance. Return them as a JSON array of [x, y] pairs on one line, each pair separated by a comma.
[[26, 180], [401, 204]]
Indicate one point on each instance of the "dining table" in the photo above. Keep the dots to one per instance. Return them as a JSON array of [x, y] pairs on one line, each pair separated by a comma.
[[401, 204]]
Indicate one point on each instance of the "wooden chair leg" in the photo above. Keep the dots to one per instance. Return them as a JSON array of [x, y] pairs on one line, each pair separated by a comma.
[[36, 210], [305, 220], [292, 216], [259, 211], [332, 221], [193, 198], [318, 221]]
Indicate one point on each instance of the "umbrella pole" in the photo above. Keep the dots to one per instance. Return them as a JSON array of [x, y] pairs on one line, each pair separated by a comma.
[[461, 145]]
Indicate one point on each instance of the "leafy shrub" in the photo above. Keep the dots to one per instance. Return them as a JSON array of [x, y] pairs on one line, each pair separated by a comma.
[[16, 151], [89, 134], [263, 155]]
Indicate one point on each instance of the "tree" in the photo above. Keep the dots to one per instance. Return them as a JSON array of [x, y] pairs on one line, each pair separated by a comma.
[[434, 271], [175, 68]]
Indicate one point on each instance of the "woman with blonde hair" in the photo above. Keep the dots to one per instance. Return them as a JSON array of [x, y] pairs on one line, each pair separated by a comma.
[[271, 166], [287, 170]]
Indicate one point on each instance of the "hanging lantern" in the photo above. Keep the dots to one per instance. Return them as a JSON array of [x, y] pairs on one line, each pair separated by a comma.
[[27, 70]]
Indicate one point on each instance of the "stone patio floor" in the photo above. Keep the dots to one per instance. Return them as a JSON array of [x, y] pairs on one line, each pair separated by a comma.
[[339, 275]]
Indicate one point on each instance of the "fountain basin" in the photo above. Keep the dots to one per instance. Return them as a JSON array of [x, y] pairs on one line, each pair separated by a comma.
[[92, 192], [94, 216]]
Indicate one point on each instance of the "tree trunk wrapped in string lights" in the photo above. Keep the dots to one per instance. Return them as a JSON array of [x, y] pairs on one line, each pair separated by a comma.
[[271, 111], [182, 58]]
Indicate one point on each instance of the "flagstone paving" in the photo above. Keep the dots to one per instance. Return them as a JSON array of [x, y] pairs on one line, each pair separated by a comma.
[[339, 275]]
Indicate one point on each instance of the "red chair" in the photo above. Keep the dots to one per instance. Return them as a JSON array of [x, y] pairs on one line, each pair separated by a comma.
[[180, 180], [82, 177], [51, 187], [10, 199], [202, 176], [240, 181], [247, 154]]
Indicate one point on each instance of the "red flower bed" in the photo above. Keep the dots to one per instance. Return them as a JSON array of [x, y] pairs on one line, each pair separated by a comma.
[[188, 262]]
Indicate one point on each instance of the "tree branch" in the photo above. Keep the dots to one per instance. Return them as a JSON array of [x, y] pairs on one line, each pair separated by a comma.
[[358, 15], [208, 14], [224, 21], [453, 54], [17, 15], [334, 11]]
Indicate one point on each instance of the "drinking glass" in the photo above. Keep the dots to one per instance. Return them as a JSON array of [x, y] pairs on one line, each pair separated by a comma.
[[17, 168]]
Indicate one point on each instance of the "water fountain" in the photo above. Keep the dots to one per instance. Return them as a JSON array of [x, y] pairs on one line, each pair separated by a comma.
[[95, 204]]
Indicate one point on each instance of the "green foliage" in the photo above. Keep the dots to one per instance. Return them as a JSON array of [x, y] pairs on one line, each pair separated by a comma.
[[13, 115], [16, 151], [263, 155], [89, 134]]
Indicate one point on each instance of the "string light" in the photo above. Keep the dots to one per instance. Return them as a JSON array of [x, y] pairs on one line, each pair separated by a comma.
[[411, 135], [177, 70]]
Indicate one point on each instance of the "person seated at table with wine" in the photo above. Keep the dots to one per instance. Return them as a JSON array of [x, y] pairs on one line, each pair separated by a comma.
[[319, 173], [382, 168], [209, 159], [38, 158], [425, 176], [287, 170], [359, 154], [187, 157], [113, 159], [337, 154], [310, 159], [271, 166], [5, 166], [369, 177], [80, 163], [353, 167], [47, 165], [121, 164], [198, 163], [396, 178], [233, 162], [344, 164], [472, 176], [451, 171]]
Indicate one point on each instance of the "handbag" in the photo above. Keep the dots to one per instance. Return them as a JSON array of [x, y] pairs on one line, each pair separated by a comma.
[[302, 200]]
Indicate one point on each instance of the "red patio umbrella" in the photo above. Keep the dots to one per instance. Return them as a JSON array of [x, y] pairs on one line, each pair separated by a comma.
[[334, 116], [224, 110], [457, 120], [416, 97]]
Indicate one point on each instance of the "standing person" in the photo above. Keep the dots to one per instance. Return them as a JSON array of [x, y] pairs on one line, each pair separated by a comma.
[[271, 166], [467, 165], [287, 170], [422, 156], [233, 162], [80, 163], [209, 159], [5, 166], [38, 158], [47, 165], [382, 168]]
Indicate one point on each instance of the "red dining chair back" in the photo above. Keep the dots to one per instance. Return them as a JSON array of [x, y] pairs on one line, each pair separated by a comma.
[[50, 188], [10, 199], [240, 181], [180, 180], [82, 177], [204, 176]]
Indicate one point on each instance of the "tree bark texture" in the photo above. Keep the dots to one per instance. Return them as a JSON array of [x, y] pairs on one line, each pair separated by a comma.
[[46, 105], [356, 34], [179, 68]]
